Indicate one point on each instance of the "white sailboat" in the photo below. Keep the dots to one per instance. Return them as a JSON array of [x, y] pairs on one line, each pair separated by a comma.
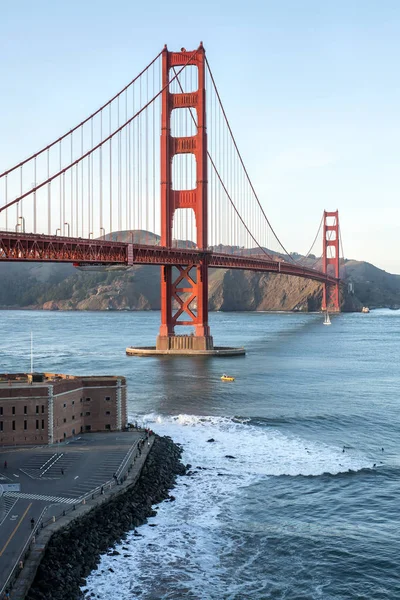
[[327, 320]]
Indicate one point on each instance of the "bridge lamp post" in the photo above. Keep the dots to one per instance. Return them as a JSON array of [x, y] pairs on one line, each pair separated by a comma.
[[103, 235], [58, 229], [22, 224], [68, 228], [16, 227], [90, 235]]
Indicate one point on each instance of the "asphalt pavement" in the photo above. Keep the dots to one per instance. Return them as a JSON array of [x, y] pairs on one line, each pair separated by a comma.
[[52, 479]]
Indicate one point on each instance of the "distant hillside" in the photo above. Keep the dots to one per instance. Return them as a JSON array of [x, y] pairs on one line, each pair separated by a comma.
[[372, 286], [62, 287]]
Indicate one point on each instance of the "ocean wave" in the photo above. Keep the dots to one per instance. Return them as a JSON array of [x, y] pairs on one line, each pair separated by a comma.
[[257, 451], [183, 547]]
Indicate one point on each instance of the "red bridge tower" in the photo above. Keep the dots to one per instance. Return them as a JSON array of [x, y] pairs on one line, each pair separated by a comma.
[[184, 288], [331, 297]]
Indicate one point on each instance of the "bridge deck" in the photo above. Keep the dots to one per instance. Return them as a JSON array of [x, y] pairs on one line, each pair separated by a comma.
[[43, 248]]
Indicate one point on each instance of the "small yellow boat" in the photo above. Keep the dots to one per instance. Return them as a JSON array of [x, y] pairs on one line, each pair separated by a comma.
[[227, 378]]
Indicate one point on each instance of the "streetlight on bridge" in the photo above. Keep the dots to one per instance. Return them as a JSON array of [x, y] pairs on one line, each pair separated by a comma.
[[68, 228]]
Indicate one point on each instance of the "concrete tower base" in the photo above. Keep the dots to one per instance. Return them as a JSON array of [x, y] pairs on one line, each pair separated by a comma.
[[216, 351], [184, 342], [185, 345]]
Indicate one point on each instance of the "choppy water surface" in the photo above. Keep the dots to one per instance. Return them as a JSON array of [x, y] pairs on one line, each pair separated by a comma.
[[291, 516]]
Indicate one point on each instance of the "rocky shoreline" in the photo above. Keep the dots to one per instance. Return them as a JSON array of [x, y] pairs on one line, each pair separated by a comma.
[[74, 551]]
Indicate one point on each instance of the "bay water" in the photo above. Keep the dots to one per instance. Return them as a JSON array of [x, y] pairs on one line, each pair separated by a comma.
[[297, 497]]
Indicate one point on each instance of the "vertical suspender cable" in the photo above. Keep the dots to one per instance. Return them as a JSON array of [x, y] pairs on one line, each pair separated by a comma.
[[139, 171], [77, 200], [82, 186], [62, 232], [48, 195], [89, 193], [126, 137], [111, 215], [6, 199], [102, 231], [61, 210], [119, 171], [72, 187], [153, 228], [91, 158], [147, 160], [34, 197], [135, 130]]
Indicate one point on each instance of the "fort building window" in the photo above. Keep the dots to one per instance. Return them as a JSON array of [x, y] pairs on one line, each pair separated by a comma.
[[42, 423], [73, 417], [88, 427], [42, 408], [1, 410], [65, 406], [108, 427], [13, 425], [25, 410], [25, 424], [37, 410], [107, 398], [108, 412], [87, 414], [1, 425], [13, 410], [37, 423], [65, 420], [87, 399]]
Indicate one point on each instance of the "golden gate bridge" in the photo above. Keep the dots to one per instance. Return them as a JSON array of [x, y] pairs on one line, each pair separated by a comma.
[[155, 176]]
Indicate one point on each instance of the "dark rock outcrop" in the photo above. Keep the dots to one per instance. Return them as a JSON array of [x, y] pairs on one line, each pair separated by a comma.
[[74, 551]]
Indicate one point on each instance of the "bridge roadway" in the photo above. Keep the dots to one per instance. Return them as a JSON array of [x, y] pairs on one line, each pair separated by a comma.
[[83, 252], [53, 480]]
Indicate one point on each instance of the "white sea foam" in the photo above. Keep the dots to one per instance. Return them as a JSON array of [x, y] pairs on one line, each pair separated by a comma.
[[182, 556]]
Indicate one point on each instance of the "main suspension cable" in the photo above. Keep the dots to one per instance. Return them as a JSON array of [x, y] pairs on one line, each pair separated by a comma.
[[99, 145], [243, 165], [83, 122]]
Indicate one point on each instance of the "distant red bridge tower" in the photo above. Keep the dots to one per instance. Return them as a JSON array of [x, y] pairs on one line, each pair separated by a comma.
[[331, 296]]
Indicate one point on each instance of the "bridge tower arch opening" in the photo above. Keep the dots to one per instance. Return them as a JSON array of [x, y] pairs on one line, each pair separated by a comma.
[[184, 288]]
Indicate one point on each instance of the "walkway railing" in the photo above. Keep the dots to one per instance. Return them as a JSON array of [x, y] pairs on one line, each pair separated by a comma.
[[19, 563]]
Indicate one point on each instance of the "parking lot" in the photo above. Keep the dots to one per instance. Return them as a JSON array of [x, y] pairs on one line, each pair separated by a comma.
[[51, 479]]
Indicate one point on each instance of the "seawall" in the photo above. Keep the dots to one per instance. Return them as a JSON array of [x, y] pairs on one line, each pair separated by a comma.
[[74, 551]]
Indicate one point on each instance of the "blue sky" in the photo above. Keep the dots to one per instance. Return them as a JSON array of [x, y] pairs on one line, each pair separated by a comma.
[[311, 88]]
